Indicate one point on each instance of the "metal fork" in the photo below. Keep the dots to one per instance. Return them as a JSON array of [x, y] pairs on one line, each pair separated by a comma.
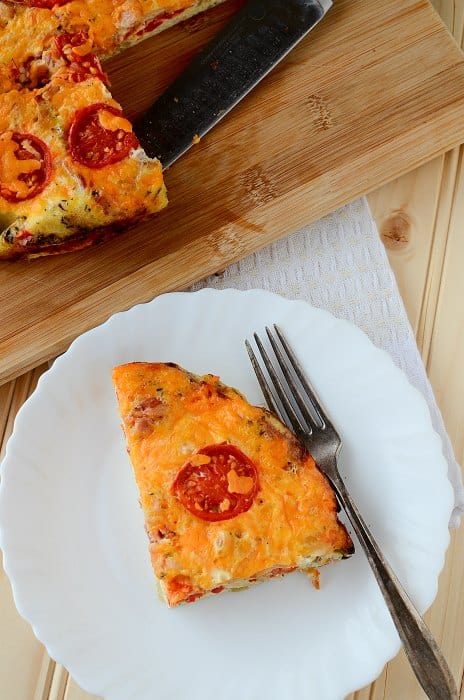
[[299, 407]]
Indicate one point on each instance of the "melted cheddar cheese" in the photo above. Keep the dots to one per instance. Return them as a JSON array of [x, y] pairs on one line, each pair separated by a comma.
[[168, 416], [113, 123], [12, 168]]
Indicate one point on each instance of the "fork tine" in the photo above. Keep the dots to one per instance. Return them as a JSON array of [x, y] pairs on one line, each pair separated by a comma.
[[312, 396], [292, 416], [296, 393], [261, 379]]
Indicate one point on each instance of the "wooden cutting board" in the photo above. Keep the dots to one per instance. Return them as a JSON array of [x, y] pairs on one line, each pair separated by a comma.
[[375, 90]]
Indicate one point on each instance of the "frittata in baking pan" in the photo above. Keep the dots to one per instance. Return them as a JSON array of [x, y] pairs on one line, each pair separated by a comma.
[[230, 496]]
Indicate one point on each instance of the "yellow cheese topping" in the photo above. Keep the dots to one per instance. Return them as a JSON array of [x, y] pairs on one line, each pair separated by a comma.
[[239, 484], [80, 50], [113, 122], [199, 459], [11, 167]]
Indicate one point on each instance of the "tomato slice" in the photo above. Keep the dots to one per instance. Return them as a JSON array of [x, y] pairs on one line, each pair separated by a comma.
[[83, 63], [281, 571], [156, 21], [43, 4], [25, 166], [66, 41], [95, 145], [219, 483]]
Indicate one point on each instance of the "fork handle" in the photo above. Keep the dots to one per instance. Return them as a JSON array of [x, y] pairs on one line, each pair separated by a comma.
[[425, 657]]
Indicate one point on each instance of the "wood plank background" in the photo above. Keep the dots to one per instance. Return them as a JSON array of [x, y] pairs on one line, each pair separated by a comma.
[[377, 89], [420, 218]]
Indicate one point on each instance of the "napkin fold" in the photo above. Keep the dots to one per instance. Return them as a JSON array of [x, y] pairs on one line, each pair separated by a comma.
[[339, 264]]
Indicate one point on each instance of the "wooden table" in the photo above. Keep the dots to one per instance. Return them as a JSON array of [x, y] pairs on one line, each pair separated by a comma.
[[420, 218]]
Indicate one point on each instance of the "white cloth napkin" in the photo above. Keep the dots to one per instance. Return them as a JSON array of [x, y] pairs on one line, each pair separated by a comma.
[[339, 264]]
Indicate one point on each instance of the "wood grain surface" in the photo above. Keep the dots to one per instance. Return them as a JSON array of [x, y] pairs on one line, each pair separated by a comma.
[[420, 217], [375, 90]]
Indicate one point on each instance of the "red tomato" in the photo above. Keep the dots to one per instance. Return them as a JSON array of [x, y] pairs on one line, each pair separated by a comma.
[[93, 145], [206, 490], [192, 598], [156, 21], [34, 179], [281, 571], [66, 41], [82, 66]]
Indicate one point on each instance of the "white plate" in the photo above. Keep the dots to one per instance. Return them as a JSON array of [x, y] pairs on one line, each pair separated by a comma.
[[74, 542]]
